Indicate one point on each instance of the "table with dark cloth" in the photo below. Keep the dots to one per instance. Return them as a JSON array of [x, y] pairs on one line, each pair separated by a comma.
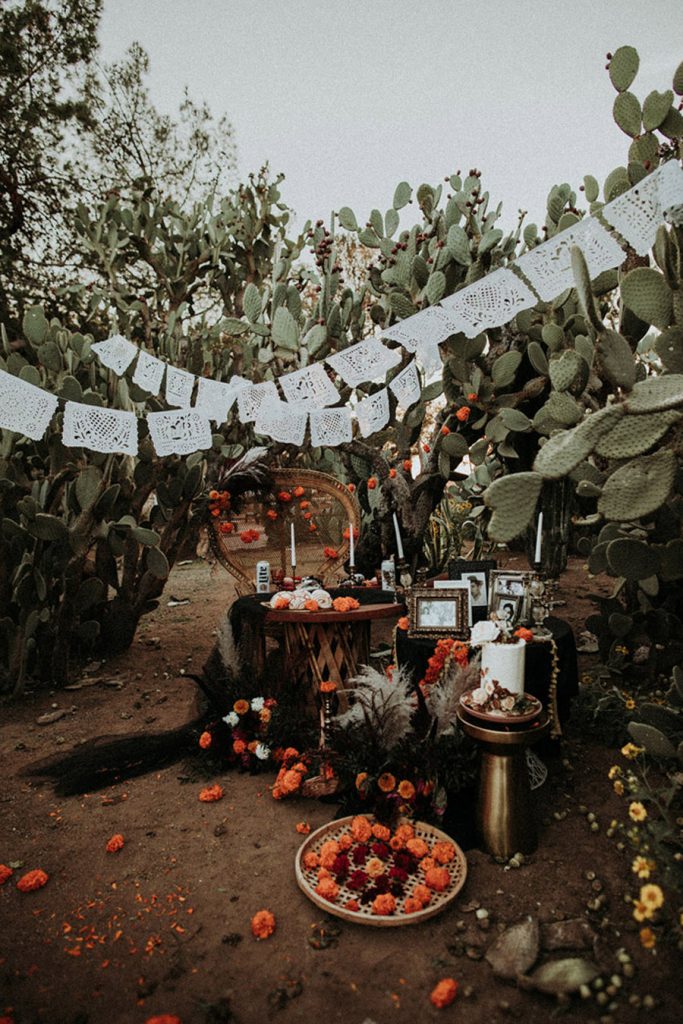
[[414, 654]]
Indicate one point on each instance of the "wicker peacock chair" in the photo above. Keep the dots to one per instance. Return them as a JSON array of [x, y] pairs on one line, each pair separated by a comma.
[[322, 511]]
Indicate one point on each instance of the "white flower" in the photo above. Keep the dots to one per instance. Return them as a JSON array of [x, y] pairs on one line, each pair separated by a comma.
[[323, 598], [232, 718], [484, 632], [479, 696], [257, 704], [262, 752], [297, 602], [507, 703], [282, 595], [489, 688]]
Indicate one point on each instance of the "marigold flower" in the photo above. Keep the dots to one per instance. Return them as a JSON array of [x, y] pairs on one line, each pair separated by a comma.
[[330, 553], [426, 864], [311, 860], [239, 746], [614, 772], [211, 793], [351, 488], [328, 686], [328, 852], [215, 512], [32, 880], [374, 867], [406, 790], [272, 514], [303, 828], [246, 536], [426, 449], [386, 782], [405, 831], [328, 889], [648, 939], [265, 715], [324, 873], [403, 622], [5, 873], [396, 844], [226, 527], [473, 397], [524, 634], [642, 867], [411, 905], [445, 431], [652, 896], [115, 844], [280, 603], [284, 496], [372, 483], [444, 993], [392, 473], [352, 905], [423, 894], [312, 528], [631, 751], [291, 781], [618, 787], [417, 847], [308, 515], [361, 781], [163, 1018], [641, 911], [298, 491], [438, 878], [345, 604], [361, 829], [637, 811], [345, 841], [205, 740], [381, 832], [443, 853], [463, 414], [384, 904], [262, 924], [241, 707], [214, 495], [311, 605]]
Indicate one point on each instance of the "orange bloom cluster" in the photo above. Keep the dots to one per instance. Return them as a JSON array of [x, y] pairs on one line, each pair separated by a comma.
[[384, 904], [211, 794], [328, 686], [116, 843], [280, 602], [249, 536], [443, 853], [32, 880], [524, 634], [5, 873], [463, 414], [205, 740], [163, 1018], [241, 706], [290, 776], [345, 604], [445, 431], [219, 505], [330, 553], [392, 473], [387, 782], [284, 496], [328, 889], [298, 491], [473, 397], [304, 504], [311, 605], [403, 622], [438, 878], [361, 829], [262, 924], [303, 828], [272, 514], [406, 790], [407, 465], [443, 652], [347, 534], [444, 993], [226, 527]]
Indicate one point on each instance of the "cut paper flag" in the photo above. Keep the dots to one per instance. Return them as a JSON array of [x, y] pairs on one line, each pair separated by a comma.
[[100, 430], [490, 302], [214, 399], [179, 432], [671, 191], [282, 422], [149, 372], [366, 361], [330, 427], [637, 214], [406, 386], [179, 386], [427, 328], [116, 353], [309, 388], [373, 413], [548, 267], [252, 397], [24, 408]]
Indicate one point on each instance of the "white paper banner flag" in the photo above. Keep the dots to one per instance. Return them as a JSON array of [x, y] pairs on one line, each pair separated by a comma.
[[490, 302], [373, 413], [116, 352], [330, 427], [549, 268], [406, 386], [430, 326], [282, 422], [179, 432], [252, 397], [214, 399], [24, 408], [366, 361], [179, 386], [100, 430], [309, 388], [149, 373], [671, 191]]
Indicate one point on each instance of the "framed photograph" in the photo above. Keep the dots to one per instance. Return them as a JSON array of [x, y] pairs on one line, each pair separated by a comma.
[[457, 585], [511, 594], [438, 611], [476, 575]]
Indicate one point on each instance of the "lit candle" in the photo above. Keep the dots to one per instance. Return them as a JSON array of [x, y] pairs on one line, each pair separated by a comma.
[[399, 545], [293, 549], [539, 531], [352, 550]]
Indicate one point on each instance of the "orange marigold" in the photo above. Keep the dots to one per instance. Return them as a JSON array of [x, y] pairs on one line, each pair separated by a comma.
[[226, 527], [116, 843], [205, 740], [351, 487], [386, 782], [265, 715], [352, 905], [239, 746], [163, 1018], [241, 707], [438, 879], [403, 622], [524, 634], [444, 993], [32, 880], [304, 504], [407, 465], [445, 431], [463, 414], [311, 860], [312, 528], [381, 832], [396, 844], [361, 829], [210, 794], [262, 924], [291, 781], [426, 863], [330, 552], [5, 873], [272, 514], [384, 904], [405, 831], [423, 894], [284, 496], [311, 605], [443, 853], [417, 847], [473, 397], [426, 449], [298, 491], [215, 512], [406, 790], [648, 939], [303, 828], [308, 515], [280, 602], [392, 473], [411, 905], [345, 841], [328, 853], [328, 686], [328, 889], [214, 495]]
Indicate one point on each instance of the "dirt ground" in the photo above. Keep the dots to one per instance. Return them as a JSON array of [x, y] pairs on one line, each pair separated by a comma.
[[162, 926]]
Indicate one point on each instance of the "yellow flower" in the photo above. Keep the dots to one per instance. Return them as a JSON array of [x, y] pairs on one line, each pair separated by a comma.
[[641, 911], [614, 772], [631, 751], [619, 787], [637, 811], [648, 939], [652, 896], [629, 704], [642, 867]]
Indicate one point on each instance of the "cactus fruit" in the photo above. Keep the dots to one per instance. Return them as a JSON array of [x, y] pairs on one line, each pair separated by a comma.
[[632, 559], [635, 437], [639, 488]]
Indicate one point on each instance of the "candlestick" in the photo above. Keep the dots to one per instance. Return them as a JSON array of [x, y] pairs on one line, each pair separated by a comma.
[[293, 545], [399, 544], [539, 531], [352, 550]]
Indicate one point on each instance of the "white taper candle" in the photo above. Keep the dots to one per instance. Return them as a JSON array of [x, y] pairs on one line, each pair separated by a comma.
[[539, 532], [352, 549], [293, 547], [399, 544]]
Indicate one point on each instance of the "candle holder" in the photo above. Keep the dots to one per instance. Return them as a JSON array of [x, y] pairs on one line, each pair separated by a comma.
[[404, 581], [328, 699]]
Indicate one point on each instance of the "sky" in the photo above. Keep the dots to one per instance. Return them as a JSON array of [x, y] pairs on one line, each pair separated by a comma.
[[349, 97]]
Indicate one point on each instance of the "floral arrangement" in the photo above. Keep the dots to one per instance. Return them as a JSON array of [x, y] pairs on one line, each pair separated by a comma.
[[498, 631], [447, 653], [392, 871], [298, 770], [495, 699], [311, 601], [240, 736]]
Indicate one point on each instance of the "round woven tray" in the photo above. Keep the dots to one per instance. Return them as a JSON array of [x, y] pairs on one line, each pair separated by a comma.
[[307, 879]]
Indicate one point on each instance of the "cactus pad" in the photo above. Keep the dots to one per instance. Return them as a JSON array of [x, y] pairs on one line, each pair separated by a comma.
[[655, 394], [632, 559], [513, 500], [627, 113], [669, 348], [635, 437], [564, 451], [615, 360], [623, 67], [565, 370], [639, 488], [647, 294]]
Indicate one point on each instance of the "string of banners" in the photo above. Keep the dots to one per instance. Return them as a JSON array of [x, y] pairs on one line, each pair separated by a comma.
[[308, 395]]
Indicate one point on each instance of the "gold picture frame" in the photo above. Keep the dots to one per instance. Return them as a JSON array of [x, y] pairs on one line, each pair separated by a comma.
[[438, 612]]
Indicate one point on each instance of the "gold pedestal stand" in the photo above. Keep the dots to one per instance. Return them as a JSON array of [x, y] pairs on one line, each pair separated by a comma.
[[505, 819]]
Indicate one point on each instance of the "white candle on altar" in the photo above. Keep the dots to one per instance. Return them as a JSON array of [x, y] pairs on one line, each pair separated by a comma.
[[399, 545], [352, 550], [539, 532], [293, 547]]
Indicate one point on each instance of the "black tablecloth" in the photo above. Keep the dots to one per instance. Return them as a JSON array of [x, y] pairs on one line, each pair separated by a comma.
[[414, 653], [249, 612]]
